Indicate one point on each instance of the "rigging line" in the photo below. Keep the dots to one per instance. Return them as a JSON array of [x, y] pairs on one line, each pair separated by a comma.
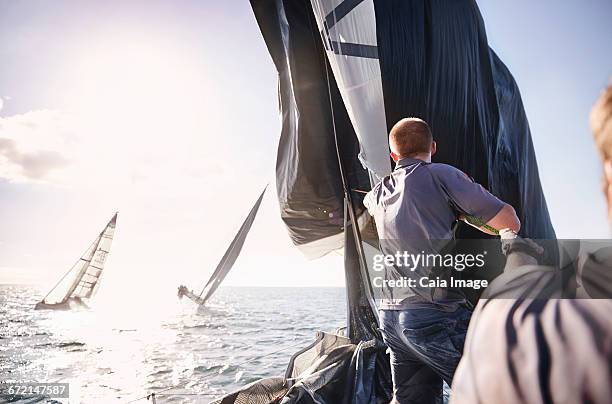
[[86, 267], [213, 374], [349, 201], [71, 268]]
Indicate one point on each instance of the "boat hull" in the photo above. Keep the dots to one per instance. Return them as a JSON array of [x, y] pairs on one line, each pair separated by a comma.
[[70, 304], [183, 291]]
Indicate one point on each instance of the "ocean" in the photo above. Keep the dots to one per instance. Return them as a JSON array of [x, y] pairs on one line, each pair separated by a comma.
[[122, 353]]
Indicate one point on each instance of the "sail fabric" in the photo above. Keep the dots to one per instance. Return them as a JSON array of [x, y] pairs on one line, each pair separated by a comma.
[[436, 64], [83, 278], [61, 292], [390, 59], [308, 179], [231, 254], [331, 370], [348, 30], [89, 282]]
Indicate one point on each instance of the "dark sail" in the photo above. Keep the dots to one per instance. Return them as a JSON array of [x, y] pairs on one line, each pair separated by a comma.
[[309, 184], [433, 62], [436, 64]]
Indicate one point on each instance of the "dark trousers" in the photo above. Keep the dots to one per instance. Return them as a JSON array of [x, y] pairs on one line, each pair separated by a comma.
[[425, 346]]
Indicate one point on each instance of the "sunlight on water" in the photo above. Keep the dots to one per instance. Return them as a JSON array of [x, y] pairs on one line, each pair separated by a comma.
[[122, 350]]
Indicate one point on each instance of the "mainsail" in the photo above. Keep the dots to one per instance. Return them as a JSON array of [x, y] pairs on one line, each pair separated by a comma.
[[83, 278], [228, 259]]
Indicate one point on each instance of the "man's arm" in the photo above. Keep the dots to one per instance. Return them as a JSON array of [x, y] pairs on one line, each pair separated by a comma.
[[478, 207], [505, 219]]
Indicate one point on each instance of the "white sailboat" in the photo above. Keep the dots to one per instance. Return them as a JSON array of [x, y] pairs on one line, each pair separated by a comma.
[[82, 280], [226, 263]]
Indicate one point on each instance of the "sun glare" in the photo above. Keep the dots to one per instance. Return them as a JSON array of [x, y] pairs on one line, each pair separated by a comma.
[[137, 86]]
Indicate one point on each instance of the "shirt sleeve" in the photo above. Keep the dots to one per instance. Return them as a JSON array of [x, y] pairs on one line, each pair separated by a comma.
[[370, 201], [467, 196]]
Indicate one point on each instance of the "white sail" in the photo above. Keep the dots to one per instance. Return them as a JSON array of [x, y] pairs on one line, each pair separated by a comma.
[[348, 30], [83, 279]]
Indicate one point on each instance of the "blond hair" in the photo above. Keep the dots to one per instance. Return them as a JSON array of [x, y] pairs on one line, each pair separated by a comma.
[[601, 123]]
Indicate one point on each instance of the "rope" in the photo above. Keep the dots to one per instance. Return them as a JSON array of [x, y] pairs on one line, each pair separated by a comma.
[[209, 376], [476, 221]]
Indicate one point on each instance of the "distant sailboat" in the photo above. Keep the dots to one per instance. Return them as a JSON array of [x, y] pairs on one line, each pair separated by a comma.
[[226, 263], [83, 279]]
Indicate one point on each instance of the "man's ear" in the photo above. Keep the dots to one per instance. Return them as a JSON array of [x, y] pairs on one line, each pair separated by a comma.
[[395, 157], [434, 148]]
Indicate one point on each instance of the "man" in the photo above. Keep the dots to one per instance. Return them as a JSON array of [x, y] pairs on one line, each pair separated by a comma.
[[537, 349], [415, 209]]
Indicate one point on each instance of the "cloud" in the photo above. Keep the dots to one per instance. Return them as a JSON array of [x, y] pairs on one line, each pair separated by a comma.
[[123, 151], [35, 165], [1, 103], [31, 146]]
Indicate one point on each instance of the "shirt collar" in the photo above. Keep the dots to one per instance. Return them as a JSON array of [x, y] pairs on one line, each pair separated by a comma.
[[407, 161]]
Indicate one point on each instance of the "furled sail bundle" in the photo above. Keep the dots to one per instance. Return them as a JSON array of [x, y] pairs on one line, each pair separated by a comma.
[[81, 282], [348, 71]]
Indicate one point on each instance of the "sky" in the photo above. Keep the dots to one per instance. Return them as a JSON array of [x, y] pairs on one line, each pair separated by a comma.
[[167, 112]]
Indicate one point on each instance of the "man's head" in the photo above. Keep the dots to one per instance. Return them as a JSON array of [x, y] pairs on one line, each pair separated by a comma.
[[411, 137], [601, 125]]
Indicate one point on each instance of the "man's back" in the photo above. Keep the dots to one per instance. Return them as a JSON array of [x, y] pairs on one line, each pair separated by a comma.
[[422, 201]]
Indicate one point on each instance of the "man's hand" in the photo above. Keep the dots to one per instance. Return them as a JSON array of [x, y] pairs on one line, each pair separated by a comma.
[[519, 251]]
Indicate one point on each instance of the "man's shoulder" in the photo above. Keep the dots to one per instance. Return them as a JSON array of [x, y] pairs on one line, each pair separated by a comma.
[[445, 170]]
